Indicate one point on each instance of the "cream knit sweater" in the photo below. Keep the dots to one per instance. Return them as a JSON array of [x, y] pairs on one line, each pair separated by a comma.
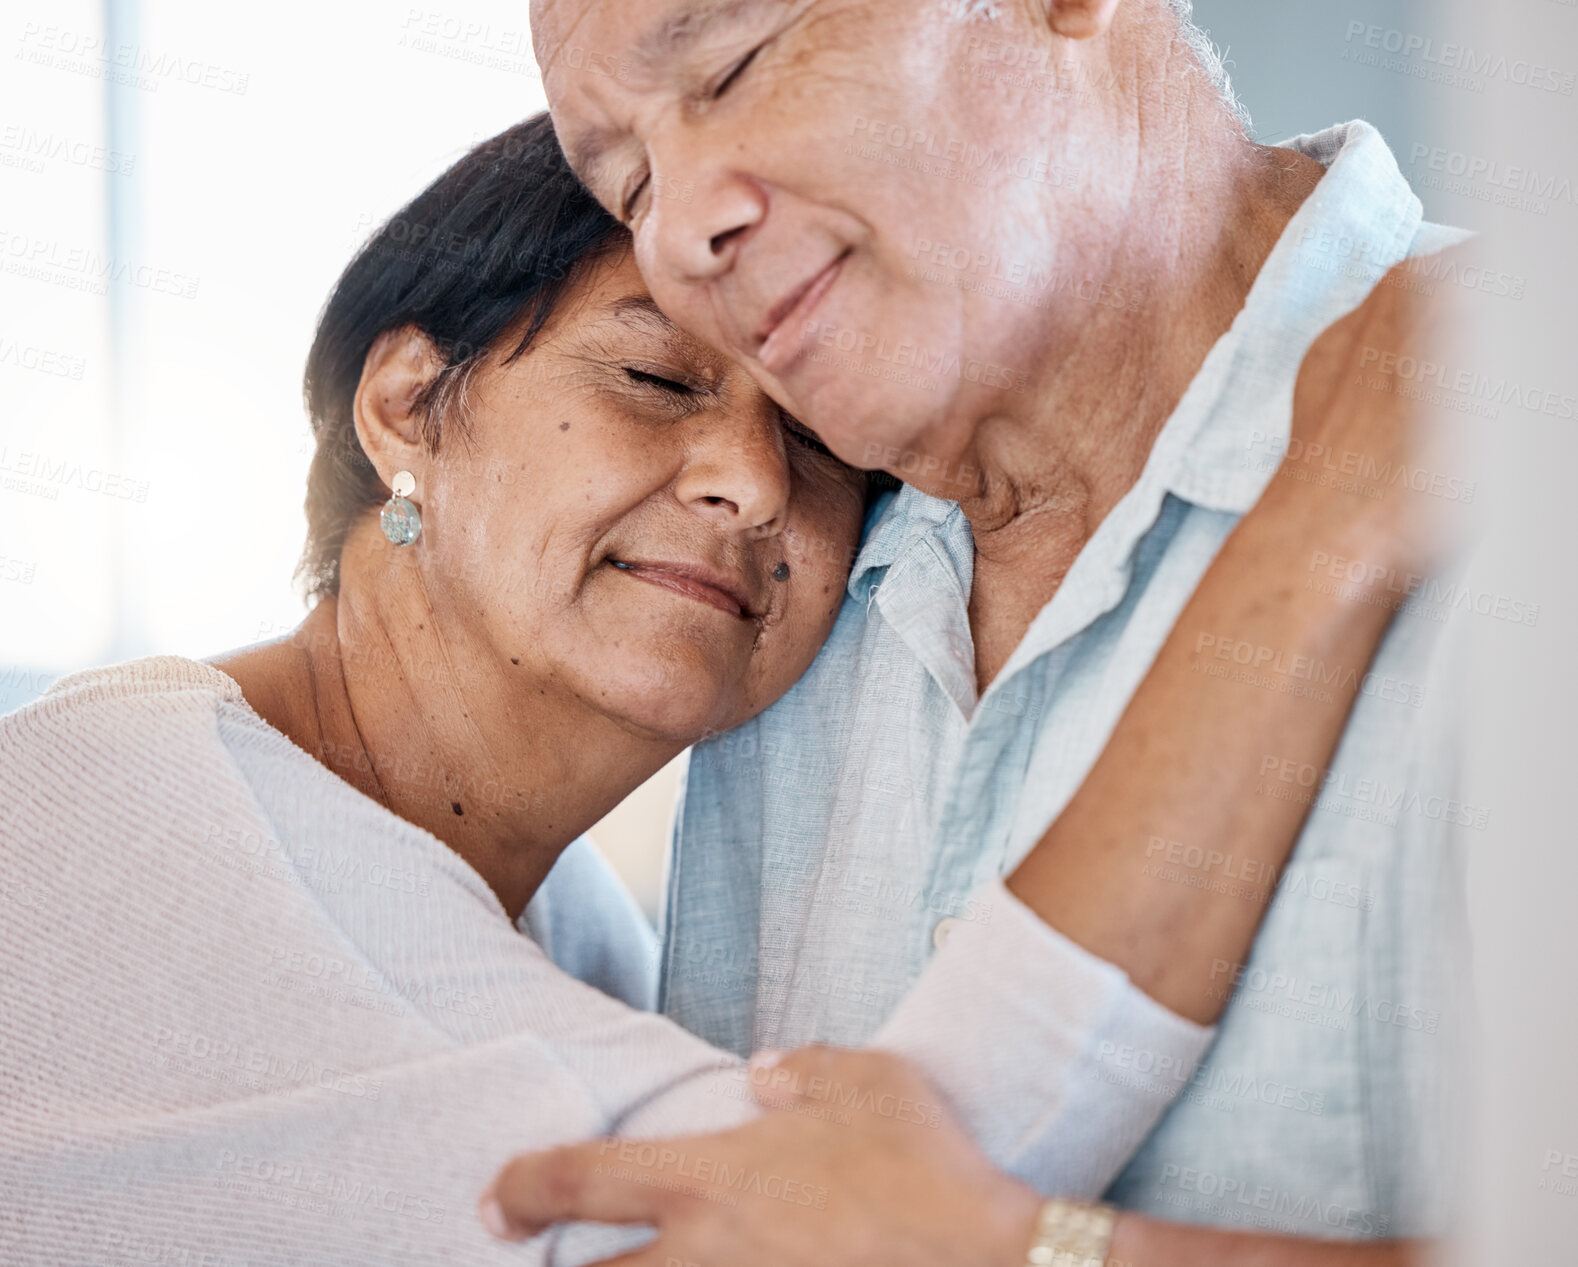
[[249, 1016]]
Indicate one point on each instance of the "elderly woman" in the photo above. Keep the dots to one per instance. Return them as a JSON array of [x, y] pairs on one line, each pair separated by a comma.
[[294, 977]]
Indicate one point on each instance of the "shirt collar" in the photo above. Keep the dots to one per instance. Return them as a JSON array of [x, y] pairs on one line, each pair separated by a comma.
[[1231, 427], [895, 521]]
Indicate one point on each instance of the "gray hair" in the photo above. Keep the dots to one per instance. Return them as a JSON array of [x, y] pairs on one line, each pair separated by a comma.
[[1210, 58]]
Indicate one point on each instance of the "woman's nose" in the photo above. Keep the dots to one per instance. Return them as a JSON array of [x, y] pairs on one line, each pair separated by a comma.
[[736, 475]]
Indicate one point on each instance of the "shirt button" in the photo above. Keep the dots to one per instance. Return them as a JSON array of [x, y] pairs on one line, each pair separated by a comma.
[[943, 931]]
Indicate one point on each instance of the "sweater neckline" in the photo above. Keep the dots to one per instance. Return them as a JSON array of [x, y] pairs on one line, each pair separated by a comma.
[[161, 672]]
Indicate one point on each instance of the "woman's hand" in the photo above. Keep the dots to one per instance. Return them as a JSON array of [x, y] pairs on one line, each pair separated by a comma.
[[854, 1164], [846, 1171], [1372, 451]]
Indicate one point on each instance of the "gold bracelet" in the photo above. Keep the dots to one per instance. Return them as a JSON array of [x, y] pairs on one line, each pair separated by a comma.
[[1072, 1234]]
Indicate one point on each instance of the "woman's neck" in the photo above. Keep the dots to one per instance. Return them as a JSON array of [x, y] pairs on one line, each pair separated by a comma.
[[505, 769]]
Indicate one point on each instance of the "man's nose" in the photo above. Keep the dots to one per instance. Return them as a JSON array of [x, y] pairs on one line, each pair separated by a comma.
[[700, 212], [736, 475]]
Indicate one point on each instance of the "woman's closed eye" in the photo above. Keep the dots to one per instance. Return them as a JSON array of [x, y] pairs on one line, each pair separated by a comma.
[[689, 395], [663, 393], [648, 378]]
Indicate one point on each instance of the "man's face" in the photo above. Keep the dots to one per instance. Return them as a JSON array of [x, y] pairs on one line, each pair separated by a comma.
[[835, 192]]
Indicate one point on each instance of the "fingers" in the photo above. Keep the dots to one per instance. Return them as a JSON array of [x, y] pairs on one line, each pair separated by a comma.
[[565, 1184], [780, 1080]]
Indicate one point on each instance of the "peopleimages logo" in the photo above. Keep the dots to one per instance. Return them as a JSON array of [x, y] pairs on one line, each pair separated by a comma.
[[1166, 1073], [89, 54], [1224, 1192], [27, 356], [1259, 658], [37, 148], [1243, 982], [863, 349], [1470, 385], [955, 151], [322, 1190], [710, 1174], [1491, 180], [1390, 800], [85, 268], [1456, 64], [45, 475]]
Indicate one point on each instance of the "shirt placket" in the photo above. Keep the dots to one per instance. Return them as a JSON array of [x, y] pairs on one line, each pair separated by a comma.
[[979, 806]]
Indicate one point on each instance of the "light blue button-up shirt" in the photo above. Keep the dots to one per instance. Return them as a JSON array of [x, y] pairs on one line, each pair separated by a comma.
[[822, 851]]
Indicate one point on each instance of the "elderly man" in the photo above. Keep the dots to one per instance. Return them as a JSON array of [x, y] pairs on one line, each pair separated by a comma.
[[1022, 255]]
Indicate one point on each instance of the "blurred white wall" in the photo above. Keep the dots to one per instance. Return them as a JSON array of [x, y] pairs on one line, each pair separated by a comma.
[[191, 178], [1508, 157]]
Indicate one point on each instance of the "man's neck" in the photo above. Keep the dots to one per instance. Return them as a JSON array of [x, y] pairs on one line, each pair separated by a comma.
[[505, 770], [1200, 226]]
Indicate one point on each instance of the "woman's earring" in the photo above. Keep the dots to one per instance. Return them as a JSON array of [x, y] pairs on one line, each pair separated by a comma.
[[401, 521]]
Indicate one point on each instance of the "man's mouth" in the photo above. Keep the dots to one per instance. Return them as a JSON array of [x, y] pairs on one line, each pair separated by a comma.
[[695, 581], [783, 331]]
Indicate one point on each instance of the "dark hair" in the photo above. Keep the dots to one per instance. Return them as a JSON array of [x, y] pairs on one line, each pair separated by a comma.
[[494, 241]]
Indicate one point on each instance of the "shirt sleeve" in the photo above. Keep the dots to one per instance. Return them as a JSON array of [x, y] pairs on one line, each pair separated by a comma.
[[1039, 1045], [1417, 966], [587, 920]]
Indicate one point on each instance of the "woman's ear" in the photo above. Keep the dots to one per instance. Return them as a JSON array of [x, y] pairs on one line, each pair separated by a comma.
[[400, 366], [1081, 19]]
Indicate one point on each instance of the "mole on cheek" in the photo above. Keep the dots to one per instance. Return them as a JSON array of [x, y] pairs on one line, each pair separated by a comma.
[[564, 426]]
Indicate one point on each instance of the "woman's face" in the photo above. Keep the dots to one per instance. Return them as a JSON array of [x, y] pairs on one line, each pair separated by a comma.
[[630, 517]]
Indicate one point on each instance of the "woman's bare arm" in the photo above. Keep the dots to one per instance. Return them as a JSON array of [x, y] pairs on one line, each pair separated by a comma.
[[1192, 754], [1186, 766]]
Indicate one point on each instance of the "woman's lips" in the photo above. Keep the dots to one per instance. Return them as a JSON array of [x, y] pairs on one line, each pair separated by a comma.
[[689, 582], [786, 332]]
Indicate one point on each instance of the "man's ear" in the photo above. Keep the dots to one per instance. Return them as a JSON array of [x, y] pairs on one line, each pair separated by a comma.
[[1081, 19], [400, 366]]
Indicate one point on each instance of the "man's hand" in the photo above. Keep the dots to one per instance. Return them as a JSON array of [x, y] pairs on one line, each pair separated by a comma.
[[855, 1162]]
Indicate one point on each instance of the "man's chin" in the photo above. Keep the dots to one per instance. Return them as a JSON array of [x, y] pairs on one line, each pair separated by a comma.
[[876, 429]]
